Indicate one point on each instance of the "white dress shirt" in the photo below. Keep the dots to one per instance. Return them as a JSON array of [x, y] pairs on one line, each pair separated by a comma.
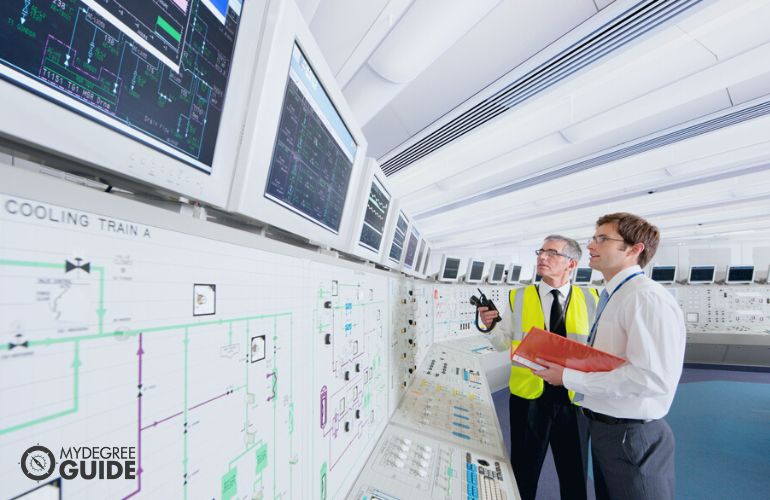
[[502, 335], [643, 324]]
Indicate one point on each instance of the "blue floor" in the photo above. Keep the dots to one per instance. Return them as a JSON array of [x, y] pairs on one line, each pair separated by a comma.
[[721, 422]]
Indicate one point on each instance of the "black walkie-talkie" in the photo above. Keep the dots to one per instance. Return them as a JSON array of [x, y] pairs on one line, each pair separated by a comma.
[[483, 301]]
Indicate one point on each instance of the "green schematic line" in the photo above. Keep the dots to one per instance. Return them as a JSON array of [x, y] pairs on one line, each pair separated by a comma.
[[75, 399], [163, 24], [186, 357]]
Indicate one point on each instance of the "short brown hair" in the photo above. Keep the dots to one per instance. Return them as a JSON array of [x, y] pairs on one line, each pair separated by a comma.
[[633, 229]]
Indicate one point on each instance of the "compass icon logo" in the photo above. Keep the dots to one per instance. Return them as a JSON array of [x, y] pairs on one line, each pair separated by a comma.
[[37, 462]]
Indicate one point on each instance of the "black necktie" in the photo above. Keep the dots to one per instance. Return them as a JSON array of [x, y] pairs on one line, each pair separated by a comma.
[[556, 324]]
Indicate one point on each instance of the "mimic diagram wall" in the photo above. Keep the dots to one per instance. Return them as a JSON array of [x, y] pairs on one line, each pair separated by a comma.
[[231, 371]]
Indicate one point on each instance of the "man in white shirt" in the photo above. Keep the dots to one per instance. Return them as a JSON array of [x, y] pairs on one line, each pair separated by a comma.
[[637, 319]]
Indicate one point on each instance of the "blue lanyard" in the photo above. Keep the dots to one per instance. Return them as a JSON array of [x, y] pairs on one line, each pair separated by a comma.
[[599, 316]]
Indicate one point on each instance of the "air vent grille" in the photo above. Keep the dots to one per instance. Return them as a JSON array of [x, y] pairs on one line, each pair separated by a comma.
[[621, 30]]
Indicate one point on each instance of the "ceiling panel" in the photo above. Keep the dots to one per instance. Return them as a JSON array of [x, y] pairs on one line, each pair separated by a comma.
[[509, 35]]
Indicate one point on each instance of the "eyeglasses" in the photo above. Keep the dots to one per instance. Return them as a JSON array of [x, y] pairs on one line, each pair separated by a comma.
[[601, 239], [550, 253]]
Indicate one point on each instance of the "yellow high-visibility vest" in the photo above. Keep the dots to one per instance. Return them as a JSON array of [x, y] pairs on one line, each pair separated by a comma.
[[528, 312]]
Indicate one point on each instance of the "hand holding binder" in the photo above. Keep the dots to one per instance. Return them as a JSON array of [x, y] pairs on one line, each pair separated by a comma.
[[566, 352]]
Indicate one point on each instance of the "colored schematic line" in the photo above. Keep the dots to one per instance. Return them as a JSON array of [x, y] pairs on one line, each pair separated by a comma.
[[324, 406], [158, 30]]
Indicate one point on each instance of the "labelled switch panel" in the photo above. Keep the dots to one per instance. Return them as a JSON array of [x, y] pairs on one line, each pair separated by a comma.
[[407, 464]]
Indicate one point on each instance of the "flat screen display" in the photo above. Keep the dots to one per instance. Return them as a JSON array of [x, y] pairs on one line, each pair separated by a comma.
[[156, 72], [477, 270], [497, 272], [425, 264], [702, 274], [418, 264], [451, 268], [515, 274], [399, 235], [664, 274], [583, 275], [314, 150], [375, 216], [740, 274], [538, 278], [411, 249]]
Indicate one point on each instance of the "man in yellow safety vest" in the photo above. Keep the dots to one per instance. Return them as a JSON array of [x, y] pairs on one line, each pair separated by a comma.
[[540, 413]]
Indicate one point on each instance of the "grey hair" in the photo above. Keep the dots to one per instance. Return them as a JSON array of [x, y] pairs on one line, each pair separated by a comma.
[[572, 247]]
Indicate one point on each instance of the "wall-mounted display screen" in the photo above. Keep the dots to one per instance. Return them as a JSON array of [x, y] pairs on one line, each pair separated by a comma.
[[451, 269], [425, 264], [477, 270], [314, 150], [701, 274], [583, 275], [156, 72], [375, 216], [418, 264], [663, 274], [399, 236], [497, 273], [514, 273], [740, 274], [411, 249]]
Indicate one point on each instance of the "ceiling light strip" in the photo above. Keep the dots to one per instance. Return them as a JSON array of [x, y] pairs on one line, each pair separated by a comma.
[[758, 110]]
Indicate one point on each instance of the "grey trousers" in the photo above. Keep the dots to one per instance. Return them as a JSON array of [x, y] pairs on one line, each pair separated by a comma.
[[633, 461]]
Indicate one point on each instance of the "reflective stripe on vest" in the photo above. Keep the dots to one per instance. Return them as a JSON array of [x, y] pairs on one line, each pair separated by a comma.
[[527, 313]]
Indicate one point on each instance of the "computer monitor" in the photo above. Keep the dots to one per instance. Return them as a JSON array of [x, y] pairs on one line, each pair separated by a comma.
[[583, 275], [475, 271], [663, 274], [425, 263], [420, 253], [160, 103], [399, 239], [740, 275], [514, 273], [701, 275], [496, 273], [373, 210], [538, 278], [411, 248], [303, 153], [449, 270]]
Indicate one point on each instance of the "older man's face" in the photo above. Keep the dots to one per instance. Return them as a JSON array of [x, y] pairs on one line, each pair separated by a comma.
[[554, 266]]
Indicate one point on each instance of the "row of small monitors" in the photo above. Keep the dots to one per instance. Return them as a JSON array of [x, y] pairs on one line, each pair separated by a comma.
[[499, 273], [704, 274], [245, 115], [449, 271]]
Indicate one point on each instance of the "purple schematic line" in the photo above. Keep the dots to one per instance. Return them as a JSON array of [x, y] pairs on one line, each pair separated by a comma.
[[139, 354]]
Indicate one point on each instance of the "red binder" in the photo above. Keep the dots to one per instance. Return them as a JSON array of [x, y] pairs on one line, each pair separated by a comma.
[[566, 352]]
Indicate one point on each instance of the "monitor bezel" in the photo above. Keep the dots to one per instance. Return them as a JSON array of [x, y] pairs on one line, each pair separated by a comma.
[[286, 28], [511, 267], [666, 282], [590, 277], [713, 275], [59, 130], [372, 172], [468, 278], [491, 273], [728, 281], [442, 266]]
